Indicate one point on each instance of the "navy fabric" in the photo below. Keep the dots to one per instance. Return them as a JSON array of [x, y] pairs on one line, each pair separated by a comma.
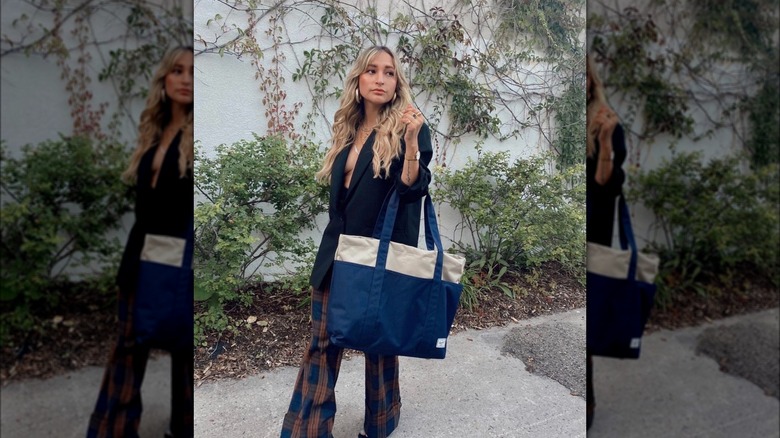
[[358, 211], [164, 303], [618, 309], [313, 405], [164, 209], [388, 313]]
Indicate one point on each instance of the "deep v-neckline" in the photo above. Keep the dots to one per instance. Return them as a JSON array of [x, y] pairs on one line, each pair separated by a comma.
[[368, 142], [153, 184]]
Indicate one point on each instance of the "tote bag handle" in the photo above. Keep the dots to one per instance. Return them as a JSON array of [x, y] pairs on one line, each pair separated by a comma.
[[627, 240], [431, 226], [432, 236], [384, 231]]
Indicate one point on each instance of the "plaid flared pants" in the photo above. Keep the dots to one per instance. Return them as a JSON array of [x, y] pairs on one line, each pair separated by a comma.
[[118, 409], [313, 405]]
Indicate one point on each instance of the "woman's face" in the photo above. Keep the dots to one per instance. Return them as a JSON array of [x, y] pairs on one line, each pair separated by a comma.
[[377, 83], [178, 82]]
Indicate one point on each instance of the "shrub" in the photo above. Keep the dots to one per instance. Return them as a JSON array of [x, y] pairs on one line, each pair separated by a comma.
[[60, 200], [254, 198], [514, 216], [715, 220]]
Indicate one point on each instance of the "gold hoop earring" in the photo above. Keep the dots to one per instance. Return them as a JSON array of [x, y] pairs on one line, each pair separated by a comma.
[[162, 95], [357, 95]]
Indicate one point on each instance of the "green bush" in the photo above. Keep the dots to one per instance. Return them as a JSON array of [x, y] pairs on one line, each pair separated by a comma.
[[253, 200], [717, 222], [60, 199], [514, 217]]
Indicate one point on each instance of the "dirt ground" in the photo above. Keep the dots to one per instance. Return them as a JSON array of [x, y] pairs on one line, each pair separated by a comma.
[[280, 330], [274, 330]]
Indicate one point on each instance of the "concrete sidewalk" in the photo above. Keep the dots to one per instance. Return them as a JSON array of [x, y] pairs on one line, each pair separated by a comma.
[[60, 406], [475, 392], [672, 391]]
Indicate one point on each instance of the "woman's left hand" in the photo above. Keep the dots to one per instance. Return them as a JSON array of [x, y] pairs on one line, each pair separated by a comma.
[[414, 120], [607, 121]]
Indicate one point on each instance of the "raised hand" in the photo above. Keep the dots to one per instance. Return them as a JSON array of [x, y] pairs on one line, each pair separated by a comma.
[[413, 119], [606, 120]]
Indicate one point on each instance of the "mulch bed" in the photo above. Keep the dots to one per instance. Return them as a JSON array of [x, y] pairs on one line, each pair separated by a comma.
[[74, 336], [280, 329], [691, 309], [82, 331]]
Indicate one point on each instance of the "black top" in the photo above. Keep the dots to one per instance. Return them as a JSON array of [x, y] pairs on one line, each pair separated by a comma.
[[357, 212], [600, 199], [166, 209]]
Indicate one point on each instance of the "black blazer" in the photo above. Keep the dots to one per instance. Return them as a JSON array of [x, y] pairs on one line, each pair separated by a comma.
[[600, 199], [364, 199], [166, 209]]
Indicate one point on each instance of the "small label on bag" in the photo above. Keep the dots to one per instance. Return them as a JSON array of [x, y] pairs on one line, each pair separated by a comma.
[[441, 343], [635, 342]]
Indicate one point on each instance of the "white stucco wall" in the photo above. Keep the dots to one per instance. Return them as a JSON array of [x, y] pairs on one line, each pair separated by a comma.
[[229, 102], [34, 102], [646, 155], [228, 99], [33, 97]]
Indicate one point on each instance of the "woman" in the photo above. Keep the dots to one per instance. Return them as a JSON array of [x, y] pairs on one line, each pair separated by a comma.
[[161, 170], [606, 152], [379, 144]]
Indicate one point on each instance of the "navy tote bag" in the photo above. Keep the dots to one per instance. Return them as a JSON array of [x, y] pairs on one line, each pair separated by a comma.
[[392, 299], [620, 292], [163, 309]]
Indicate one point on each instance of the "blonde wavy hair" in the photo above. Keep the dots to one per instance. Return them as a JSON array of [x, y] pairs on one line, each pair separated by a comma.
[[389, 128], [596, 99], [157, 115]]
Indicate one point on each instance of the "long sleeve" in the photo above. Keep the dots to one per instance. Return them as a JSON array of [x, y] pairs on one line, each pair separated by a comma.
[[419, 188], [600, 199], [614, 184]]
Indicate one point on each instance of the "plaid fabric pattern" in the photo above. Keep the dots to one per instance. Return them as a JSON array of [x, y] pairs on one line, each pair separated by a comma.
[[118, 409], [313, 404], [383, 396]]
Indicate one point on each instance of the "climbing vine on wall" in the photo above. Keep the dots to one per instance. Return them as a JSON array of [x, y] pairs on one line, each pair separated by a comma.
[[62, 198], [142, 31], [475, 70], [553, 25], [670, 61]]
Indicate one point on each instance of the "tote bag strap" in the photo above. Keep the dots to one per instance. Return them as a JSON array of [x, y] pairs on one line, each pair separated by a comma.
[[627, 235], [383, 230], [432, 237], [381, 217], [623, 226], [438, 295]]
